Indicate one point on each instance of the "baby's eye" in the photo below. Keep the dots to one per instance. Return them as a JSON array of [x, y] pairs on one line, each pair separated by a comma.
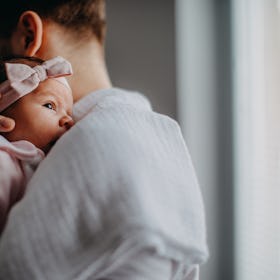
[[49, 106]]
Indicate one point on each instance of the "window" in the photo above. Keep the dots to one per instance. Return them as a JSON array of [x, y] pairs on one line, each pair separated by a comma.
[[256, 60]]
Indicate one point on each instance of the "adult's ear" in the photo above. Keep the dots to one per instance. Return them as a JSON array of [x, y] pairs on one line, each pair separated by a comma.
[[27, 39]]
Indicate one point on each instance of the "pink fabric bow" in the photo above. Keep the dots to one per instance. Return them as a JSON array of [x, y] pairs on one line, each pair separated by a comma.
[[23, 79]]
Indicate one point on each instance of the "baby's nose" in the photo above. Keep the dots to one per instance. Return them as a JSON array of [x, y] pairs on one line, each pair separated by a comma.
[[66, 122]]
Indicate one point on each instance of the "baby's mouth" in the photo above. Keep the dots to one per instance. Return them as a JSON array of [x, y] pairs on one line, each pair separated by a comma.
[[53, 142], [47, 148]]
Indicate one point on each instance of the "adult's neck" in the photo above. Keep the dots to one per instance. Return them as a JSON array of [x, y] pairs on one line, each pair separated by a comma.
[[86, 56], [90, 71]]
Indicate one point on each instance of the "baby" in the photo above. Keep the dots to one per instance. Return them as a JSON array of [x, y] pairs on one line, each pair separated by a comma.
[[36, 95]]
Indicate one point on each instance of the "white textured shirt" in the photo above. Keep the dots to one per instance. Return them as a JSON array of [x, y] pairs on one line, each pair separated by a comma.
[[120, 181]]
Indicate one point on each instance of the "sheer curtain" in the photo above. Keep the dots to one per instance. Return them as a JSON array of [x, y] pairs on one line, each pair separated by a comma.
[[256, 59]]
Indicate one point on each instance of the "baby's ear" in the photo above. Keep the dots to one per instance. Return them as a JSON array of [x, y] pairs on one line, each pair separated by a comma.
[[27, 38]]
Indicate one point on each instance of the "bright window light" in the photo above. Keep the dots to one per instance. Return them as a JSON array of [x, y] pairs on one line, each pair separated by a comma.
[[256, 59]]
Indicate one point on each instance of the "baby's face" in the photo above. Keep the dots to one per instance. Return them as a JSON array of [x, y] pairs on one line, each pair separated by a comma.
[[43, 115]]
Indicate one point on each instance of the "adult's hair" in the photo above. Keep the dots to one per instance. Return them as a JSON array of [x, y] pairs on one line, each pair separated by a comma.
[[81, 16]]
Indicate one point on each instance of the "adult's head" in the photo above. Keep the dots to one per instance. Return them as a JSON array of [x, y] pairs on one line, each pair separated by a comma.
[[73, 29]]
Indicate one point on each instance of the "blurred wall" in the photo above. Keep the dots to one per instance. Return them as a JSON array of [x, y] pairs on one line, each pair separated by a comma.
[[141, 49], [205, 114], [198, 106]]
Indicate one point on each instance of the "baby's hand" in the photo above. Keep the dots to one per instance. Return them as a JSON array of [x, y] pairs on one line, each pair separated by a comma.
[[6, 124]]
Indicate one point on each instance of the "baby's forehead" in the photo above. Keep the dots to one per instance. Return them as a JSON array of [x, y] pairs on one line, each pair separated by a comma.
[[52, 87]]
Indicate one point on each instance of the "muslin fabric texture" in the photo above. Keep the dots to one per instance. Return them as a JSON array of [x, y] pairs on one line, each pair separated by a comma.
[[118, 183]]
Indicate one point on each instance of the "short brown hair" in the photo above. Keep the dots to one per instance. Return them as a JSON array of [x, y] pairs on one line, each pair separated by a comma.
[[77, 15]]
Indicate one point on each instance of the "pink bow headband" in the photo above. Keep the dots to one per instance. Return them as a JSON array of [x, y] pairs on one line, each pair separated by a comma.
[[23, 79]]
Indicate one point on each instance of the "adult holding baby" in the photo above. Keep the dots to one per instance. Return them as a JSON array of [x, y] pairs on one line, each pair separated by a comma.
[[117, 196]]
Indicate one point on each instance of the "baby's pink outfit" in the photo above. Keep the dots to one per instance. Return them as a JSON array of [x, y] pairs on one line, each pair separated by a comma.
[[18, 161]]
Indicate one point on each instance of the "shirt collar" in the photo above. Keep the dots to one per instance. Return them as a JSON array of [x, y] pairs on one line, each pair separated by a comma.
[[113, 96]]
